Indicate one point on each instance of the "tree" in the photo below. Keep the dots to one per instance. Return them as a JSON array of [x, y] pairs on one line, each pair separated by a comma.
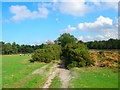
[[15, 48], [2, 48], [80, 41], [65, 39], [8, 48]]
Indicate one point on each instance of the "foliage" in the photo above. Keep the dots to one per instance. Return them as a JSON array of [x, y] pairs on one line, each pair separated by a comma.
[[42, 55], [8, 48], [13, 48], [76, 55], [48, 53], [65, 39], [109, 44]]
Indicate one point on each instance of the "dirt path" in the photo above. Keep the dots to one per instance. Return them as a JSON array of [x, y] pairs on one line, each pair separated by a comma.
[[52, 75], [64, 75]]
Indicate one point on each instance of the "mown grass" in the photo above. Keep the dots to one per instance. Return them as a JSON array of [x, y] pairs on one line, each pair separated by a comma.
[[94, 78], [56, 83], [15, 68]]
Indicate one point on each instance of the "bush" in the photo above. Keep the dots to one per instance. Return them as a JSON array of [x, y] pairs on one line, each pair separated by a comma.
[[48, 53], [76, 55], [73, 64], [55, 50], [42, 55]]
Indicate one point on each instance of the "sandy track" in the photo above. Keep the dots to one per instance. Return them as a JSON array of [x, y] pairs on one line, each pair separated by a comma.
[[53, 74], [64, 76]]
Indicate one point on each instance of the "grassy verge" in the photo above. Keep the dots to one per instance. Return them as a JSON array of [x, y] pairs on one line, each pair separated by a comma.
[[56, 83], [94, 78], [15, 68]]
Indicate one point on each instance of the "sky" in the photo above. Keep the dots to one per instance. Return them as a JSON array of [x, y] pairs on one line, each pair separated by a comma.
[[37, 22]]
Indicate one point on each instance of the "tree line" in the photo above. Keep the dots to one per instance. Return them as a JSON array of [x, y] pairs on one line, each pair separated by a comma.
[[8, 48], [109, 44]]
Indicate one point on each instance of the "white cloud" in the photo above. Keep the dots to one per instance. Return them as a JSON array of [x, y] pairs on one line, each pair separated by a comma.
[[92, 38], [101, 25], [82, 7], [75, 8], [69, 28], [98, 37], [22, 12]]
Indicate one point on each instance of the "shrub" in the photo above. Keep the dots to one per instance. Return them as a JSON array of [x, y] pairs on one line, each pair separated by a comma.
[[55, 50], [42, 55], [48, 53], [73, 64], [76, 55]]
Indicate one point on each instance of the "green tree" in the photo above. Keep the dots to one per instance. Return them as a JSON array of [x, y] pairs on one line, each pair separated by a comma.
[[65, 39], [8, 48], [15, 48]]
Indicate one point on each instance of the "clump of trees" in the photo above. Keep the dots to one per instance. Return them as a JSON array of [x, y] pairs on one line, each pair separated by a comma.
[[48, 53], [76, 54]]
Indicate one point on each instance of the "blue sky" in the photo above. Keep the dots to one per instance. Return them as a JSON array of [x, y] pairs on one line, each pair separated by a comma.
[[34, 23]]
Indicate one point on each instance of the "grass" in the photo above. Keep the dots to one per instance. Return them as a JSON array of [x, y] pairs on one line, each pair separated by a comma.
[[56, 83], [17, 73], [15, 69], [35, 81], [94, 78], [38, 80]]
